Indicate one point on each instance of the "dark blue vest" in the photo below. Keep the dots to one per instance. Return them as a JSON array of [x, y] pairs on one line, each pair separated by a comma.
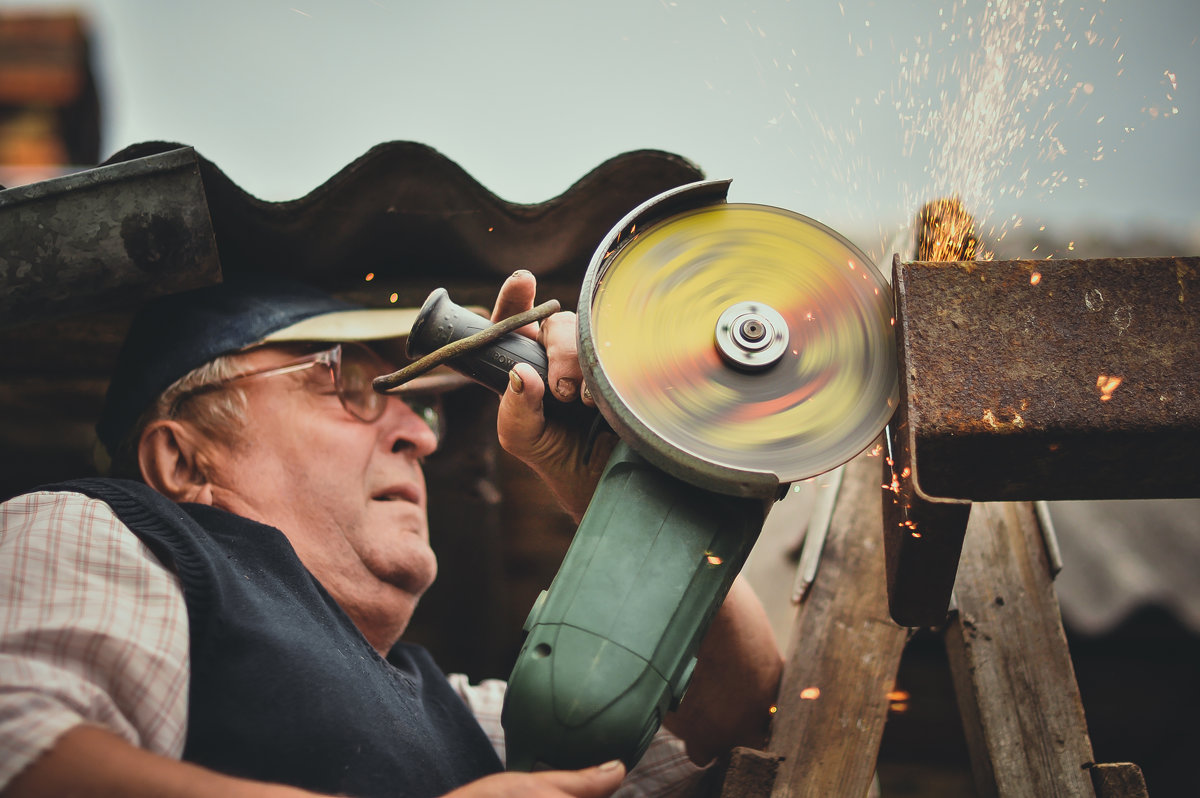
[[284, 687]]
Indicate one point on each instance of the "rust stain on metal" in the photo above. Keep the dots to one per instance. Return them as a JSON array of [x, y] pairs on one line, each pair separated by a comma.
[[1079, 383]]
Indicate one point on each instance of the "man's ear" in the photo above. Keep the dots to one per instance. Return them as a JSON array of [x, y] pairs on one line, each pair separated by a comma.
[[171, 462]]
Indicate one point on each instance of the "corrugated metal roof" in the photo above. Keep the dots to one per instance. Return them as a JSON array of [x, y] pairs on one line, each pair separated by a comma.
[[402, 213], [1120, 557]]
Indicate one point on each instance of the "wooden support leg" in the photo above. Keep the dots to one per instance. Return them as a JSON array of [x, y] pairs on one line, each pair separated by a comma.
[[1119, 780], [1013, 677], [843, 655]]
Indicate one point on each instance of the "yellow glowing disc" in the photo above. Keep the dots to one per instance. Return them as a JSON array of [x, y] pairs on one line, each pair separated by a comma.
[[654, 315]]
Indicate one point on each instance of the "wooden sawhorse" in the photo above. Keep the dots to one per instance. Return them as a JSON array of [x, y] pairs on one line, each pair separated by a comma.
[[1020, 705]]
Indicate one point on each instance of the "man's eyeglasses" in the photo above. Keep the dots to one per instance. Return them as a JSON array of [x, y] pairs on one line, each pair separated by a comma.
[[352, 369]]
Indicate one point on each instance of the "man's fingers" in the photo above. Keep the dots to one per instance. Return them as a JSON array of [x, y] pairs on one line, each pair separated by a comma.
[[516, 296], [558, 336], [598, 782]]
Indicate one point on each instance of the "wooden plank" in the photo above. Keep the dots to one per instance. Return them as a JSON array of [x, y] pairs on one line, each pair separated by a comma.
[[750, 773], [1013, 677], [1119, 780], [843, 655]]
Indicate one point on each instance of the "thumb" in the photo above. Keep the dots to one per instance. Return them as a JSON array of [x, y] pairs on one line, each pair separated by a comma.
[[598, 782], [520, 421]]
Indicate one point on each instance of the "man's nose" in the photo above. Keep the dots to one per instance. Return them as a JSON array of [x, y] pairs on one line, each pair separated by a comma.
[[407, 430]]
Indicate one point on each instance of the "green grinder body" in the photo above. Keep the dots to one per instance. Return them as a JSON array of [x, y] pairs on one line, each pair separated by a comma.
[[611, 645]]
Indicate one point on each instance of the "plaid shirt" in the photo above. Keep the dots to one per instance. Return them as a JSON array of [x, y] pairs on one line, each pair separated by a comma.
[[93, 629]]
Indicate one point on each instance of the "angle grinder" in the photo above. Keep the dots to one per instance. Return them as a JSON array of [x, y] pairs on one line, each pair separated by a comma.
[[734, 349]]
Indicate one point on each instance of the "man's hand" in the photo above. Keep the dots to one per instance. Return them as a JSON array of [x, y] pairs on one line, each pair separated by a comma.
[[598, 782], [553, 450]]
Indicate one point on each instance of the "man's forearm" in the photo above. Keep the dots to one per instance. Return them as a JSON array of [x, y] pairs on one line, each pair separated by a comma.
[[735, 683], [90, 762]]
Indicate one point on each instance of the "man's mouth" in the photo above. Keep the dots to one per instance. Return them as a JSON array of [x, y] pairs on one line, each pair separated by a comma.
[[401, 493]]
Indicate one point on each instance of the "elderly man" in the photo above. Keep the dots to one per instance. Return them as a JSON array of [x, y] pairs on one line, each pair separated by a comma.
[[227, 623]]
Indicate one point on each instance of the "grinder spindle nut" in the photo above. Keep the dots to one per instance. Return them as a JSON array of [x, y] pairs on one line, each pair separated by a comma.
[[751, 336]]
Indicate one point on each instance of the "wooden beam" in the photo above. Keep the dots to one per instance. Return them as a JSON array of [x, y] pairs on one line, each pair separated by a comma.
[[1022, 713], [1119, 780], [843, 655]]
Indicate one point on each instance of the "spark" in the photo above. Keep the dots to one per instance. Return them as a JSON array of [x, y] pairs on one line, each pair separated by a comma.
[[302, 13], [1035, 278], [713, 559], [1107, 385], [394, 298], [370, 276], [946, 232], [990, 108], [810, 693]]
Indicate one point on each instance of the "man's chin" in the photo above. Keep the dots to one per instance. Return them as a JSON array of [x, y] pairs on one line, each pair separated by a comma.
[[414, 575]]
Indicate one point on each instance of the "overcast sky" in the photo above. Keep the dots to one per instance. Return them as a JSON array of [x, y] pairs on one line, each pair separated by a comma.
[[851, 112]]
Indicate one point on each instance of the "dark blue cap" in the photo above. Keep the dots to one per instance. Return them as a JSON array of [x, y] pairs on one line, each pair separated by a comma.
[[174, 334]]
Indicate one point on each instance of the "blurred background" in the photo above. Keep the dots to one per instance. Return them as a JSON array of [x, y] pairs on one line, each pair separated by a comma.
[[1077, 116], [1068, 129]]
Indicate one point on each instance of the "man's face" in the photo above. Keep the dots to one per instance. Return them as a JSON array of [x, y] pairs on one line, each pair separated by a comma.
[[349, 495]]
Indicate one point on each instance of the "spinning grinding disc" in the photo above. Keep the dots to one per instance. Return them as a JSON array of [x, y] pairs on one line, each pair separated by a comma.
[[740, 347]]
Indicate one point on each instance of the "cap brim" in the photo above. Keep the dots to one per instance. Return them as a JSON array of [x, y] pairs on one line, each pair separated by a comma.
[[372, 324], [366, 324]]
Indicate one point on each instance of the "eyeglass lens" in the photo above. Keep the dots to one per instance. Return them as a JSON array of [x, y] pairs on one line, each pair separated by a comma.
[[358, 369]]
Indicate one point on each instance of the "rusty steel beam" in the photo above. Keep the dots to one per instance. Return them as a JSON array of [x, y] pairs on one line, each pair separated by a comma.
[[1068, 379], [922, 539], [105, 238]]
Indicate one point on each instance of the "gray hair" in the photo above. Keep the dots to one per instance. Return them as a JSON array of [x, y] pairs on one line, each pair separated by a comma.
[[215, 413]]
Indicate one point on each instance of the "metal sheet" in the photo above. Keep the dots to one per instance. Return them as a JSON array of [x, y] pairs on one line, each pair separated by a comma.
[[107, 237], [1072, 379], [922, 539]]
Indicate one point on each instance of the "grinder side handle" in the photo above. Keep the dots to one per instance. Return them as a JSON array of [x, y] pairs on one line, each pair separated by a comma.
[[441, 322]]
